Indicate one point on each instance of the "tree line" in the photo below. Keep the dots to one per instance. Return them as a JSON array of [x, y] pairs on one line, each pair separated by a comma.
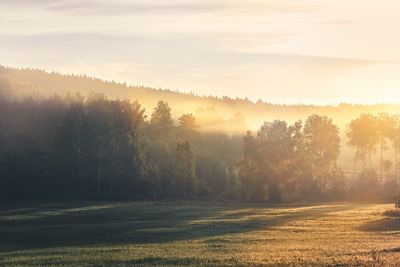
[[41, 84], [77, 147]]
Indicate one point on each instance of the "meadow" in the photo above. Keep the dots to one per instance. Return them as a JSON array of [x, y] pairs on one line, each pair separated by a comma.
[[191, 233]]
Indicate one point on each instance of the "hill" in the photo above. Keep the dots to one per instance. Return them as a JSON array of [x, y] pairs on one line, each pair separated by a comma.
[[213, 113]]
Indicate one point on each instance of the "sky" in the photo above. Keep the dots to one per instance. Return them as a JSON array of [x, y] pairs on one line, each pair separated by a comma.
[[279, 51]]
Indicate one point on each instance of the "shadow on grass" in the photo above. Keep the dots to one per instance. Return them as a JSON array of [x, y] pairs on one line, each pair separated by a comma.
[[137, 223], [382, 225], [145, 261], [158, 261]]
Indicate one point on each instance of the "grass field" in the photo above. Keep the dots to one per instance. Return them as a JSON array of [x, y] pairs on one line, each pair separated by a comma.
[[126, 234]]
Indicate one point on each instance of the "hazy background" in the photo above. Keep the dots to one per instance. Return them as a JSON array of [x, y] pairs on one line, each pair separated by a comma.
[[320, 52]]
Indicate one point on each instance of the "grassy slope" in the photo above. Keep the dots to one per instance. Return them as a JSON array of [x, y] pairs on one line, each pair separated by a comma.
[[123, 234]]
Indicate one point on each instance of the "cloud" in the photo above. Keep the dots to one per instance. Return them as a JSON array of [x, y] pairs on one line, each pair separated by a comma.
[[187, 50], [26, 3], [127, 17], [195, 65], [114, 7], [269, 48], [131, 8], [266, 6], [336, 21]]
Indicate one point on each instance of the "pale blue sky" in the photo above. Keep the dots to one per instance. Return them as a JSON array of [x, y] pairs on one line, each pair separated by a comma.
[[307, 51]]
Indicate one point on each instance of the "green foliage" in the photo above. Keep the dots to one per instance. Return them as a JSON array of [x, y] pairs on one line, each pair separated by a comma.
[[322, 147], [363, 135], [96, 148], [366, 186], [184, 170], [278, 160], [81, 149], [188, 128], [161, 123]]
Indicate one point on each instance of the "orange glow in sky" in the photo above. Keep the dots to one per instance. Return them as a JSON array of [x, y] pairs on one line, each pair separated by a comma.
[[292, 51]]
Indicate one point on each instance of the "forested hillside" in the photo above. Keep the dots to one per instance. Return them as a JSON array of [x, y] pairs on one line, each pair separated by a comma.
[[68, 137], [212, 113]]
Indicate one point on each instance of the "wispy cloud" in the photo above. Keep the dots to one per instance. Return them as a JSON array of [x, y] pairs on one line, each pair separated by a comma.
[[92, 6], [111, 9]]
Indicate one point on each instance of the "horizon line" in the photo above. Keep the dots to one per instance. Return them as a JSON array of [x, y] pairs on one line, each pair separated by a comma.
[[191, 93]]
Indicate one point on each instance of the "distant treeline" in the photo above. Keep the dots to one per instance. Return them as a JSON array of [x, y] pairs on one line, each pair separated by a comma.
[[77, 147], [226, 111]]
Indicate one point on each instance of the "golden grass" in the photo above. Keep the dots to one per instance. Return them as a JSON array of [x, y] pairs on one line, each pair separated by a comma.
[[190, 234]]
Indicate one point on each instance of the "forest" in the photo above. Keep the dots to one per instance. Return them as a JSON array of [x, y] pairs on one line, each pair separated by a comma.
[[214, 113], [199, 133], [76, 147]]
